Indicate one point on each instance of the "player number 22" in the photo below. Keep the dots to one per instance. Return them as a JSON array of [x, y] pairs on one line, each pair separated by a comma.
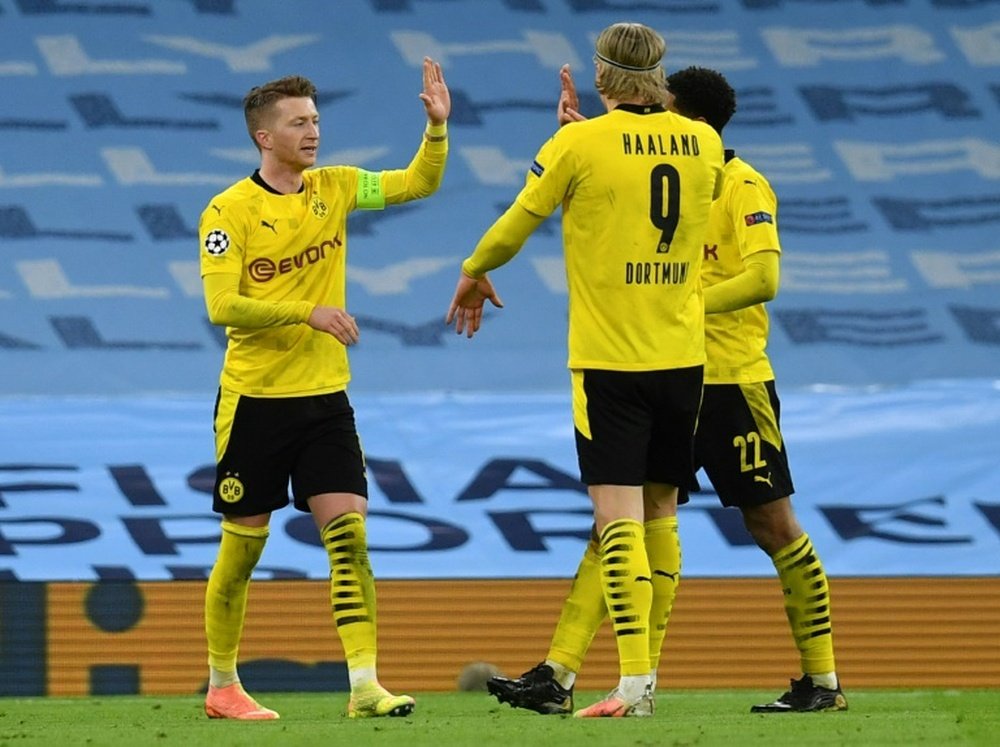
[[750, 456], [664, 203]]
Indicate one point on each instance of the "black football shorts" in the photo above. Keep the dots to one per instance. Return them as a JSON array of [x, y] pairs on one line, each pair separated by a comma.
[[265, 443], [635, 427], [740, 446]]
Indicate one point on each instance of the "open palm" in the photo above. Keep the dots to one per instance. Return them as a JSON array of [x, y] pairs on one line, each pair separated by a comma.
[[436, 97]]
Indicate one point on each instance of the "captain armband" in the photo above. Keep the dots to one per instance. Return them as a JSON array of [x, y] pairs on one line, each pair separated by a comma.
[[370, 194]]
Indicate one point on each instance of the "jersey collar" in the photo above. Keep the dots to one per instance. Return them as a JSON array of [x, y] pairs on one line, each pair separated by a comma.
[[257, 179], [641, 108]]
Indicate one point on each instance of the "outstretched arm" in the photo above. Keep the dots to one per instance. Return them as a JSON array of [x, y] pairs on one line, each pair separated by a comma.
[[426, 171], [498, 246]]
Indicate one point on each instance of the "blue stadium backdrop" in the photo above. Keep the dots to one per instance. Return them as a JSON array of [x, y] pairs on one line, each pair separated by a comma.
[[877, 122]]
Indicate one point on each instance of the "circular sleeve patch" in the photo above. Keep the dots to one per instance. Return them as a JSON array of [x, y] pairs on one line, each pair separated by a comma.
[[216, 242]]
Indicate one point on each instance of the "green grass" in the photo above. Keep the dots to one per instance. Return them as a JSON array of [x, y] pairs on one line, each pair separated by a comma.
[[876, 717]]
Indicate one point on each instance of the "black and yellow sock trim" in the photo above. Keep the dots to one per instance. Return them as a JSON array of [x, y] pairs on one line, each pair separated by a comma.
[[346, 543]]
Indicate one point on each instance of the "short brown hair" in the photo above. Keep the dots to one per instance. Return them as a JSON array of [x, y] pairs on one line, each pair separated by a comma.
[[628, 63], [257, 104]]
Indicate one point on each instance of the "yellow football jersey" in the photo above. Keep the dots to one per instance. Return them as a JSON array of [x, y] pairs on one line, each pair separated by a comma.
[[636, 187], [285, 248], [743, 221]]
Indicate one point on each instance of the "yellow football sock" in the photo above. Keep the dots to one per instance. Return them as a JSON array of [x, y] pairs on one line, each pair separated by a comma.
[[663, 548], [807, 604], [352, 593], [627, 592], [226, 596], [582, 614]]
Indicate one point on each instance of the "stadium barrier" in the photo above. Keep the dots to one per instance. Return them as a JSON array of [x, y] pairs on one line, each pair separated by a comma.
[[113, 637]]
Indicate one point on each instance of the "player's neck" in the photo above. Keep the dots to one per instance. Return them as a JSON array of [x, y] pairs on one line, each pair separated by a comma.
[[280, 178], [637, 101]]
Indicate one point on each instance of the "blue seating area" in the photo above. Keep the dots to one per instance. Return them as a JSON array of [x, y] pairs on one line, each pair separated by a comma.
[[876, 121]]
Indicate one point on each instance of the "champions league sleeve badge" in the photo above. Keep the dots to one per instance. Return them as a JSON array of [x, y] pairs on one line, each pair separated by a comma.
[[216, 242]]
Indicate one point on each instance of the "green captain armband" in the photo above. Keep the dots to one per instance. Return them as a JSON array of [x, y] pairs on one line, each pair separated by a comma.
[[370, 195]]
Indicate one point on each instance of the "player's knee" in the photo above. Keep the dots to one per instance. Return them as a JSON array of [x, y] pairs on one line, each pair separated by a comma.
[[773, 526]]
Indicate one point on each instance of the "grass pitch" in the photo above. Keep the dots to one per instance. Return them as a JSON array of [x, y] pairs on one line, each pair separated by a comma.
[[697, 717]]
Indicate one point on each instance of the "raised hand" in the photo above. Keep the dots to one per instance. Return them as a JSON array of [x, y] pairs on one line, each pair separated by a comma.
[[568, 108], [436, 97]]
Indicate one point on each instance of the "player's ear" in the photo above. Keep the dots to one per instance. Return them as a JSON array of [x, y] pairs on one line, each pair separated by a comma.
[[263, 138]]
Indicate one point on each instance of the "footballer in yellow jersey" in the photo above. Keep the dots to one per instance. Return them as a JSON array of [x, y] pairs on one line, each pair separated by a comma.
[[738, 440], [635, 186], [288, 252], [273, 266], [742, 223]]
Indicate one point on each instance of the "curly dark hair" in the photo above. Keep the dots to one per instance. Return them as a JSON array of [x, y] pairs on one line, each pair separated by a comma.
[[701, 92]]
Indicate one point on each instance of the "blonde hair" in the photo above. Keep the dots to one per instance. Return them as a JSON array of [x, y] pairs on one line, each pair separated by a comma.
[[628, 63]]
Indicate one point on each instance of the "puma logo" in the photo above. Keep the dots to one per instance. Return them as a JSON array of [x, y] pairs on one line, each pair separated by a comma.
[[647, 579], [767, 480], [217, 209], [270, 225], [671, 576]]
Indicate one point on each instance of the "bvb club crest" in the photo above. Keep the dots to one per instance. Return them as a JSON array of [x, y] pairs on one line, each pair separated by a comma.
[[319, 208]]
